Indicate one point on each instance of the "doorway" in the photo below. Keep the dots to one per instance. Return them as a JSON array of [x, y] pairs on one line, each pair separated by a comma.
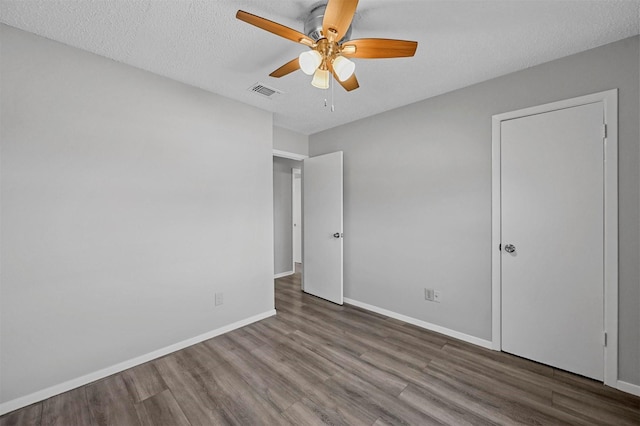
[[554, 262], [296, 214], [285, 171]]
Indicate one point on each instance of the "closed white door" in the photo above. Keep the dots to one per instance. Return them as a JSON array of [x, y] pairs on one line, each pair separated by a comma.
[[322, 216], [552, 238]]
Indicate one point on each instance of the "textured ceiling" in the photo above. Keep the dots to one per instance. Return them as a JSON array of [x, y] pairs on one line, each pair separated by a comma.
[[201, 43]]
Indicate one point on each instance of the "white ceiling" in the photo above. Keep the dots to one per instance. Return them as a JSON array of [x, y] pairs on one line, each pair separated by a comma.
[[199, 42]]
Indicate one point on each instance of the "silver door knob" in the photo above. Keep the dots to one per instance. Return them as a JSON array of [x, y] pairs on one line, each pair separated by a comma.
[[337, 235], [510, 248]]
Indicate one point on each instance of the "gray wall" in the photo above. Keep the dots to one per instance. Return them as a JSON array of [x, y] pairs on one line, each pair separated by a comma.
[[128, 200], [418, 193], [290, 141], [282, 232]]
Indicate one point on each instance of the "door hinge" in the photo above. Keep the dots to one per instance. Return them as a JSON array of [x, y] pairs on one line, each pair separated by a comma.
[[499, 247], [604, 338], [604, 131]]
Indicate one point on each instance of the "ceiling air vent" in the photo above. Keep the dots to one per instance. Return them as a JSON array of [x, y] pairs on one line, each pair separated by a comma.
[[266, 91]]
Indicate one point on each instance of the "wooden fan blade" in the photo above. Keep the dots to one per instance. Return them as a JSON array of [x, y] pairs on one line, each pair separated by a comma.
[[274, 27], [349, 84], [372, 48], [337, 18], [289, 67]]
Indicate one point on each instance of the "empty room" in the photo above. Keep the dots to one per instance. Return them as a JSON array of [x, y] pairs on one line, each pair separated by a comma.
[[302, 212]]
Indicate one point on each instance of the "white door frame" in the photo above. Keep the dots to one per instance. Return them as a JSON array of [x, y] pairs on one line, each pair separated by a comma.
[[289, 155], [609, 99]]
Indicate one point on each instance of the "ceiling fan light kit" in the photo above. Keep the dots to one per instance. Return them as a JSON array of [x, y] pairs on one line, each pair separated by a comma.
[[343, 67], [320, 79], [310, 61], [328, 31]]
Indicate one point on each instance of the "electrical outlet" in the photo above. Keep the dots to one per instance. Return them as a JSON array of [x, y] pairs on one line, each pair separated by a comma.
[[219, 299], [428, 294], [437, 297]]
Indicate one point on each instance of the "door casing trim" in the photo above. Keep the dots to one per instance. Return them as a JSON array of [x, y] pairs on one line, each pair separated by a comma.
[[609, 99]]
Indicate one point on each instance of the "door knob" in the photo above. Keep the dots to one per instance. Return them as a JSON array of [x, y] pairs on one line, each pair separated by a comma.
[[337, 235], [510, 248]]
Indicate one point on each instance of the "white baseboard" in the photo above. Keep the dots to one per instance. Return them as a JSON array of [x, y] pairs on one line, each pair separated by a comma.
[[283, 274], [423, 324], [97, 375], [629, 388]]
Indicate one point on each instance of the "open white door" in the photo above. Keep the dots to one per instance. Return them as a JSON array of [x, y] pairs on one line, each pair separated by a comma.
[[322, 218]]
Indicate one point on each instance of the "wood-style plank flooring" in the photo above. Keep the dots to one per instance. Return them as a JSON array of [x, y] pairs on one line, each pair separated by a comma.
[[318, 363]]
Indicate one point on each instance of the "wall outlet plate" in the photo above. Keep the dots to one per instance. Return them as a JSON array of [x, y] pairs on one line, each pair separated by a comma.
[[219, 299], [428, 294], [437, 296]]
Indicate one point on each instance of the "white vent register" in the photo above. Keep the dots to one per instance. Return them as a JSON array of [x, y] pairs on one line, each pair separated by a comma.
[[265, 91]]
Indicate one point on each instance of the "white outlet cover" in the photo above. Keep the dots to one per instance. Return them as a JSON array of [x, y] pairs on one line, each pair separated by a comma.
[[219, 299], [428, 294], [436, 296]]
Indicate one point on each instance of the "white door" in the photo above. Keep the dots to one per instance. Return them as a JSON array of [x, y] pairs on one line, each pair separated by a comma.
[[297, 216], [552, 238], [322, 212]]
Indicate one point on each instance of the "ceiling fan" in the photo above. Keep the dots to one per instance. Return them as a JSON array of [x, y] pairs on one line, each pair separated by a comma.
[[328, 29]]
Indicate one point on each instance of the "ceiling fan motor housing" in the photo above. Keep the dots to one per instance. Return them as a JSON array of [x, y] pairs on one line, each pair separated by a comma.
[[313, 24]]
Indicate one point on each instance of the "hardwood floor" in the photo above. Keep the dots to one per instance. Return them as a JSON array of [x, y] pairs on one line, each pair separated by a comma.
[[318, 363]]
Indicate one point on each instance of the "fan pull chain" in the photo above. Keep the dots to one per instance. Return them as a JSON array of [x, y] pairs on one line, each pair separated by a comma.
[[332, 83], [326, 103]]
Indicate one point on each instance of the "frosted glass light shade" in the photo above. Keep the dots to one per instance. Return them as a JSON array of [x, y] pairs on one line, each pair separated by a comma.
[[343, 67], [309, 61], [321, 79]]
